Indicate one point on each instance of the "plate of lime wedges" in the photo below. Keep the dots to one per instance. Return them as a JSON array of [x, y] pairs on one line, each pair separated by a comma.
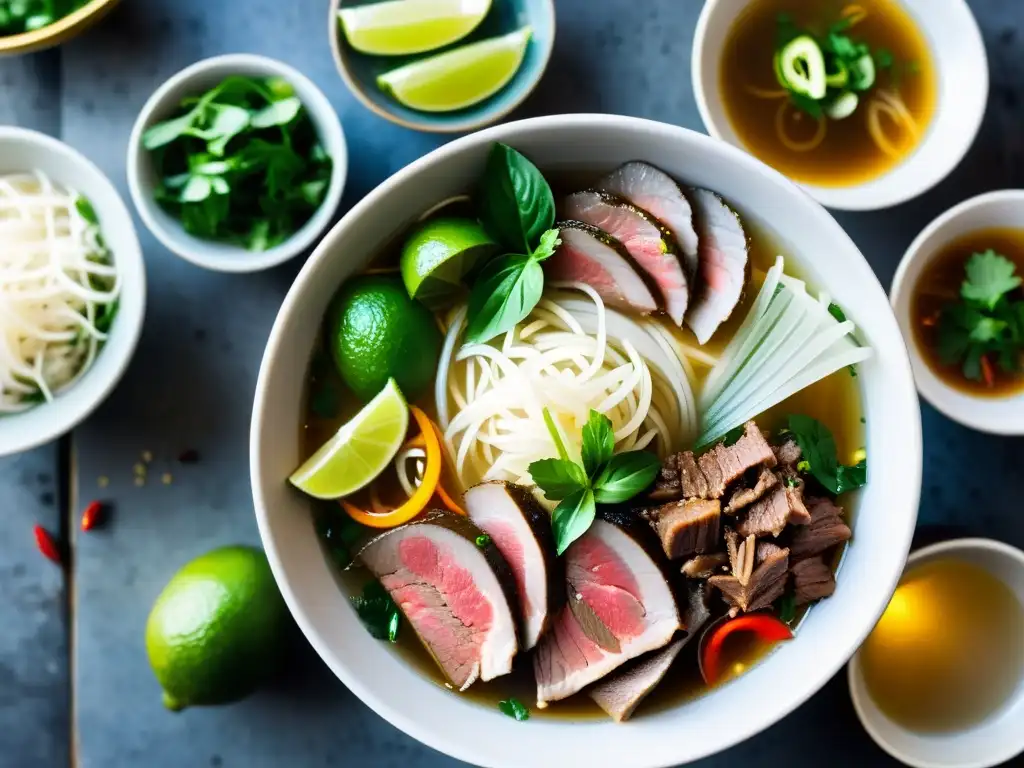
[[442, 65]]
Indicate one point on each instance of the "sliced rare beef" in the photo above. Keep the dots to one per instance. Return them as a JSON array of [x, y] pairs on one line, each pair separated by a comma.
[[620, 597], [743, 497], [721, 264], [521, 529], [686, 528], [656, 192], [459, 596], [826, 529], [651, 247], [589, 255], [772, 513], [704, 566], [765, 584], [620, 693], [812, 580]]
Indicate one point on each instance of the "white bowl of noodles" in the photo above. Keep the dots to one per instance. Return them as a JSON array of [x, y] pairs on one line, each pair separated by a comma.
[[73, 289], [884, 511]]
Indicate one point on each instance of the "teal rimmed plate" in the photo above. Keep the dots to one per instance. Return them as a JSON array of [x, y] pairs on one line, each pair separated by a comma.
[[360, 71]]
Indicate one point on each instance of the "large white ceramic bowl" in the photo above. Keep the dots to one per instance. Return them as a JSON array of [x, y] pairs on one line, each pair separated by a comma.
[[1003, 208], [958, 53], [883, 524], [23, 150]]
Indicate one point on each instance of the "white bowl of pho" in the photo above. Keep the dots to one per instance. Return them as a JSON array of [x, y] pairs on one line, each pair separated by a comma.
[[866, 104], [596, 420], [72, 288]]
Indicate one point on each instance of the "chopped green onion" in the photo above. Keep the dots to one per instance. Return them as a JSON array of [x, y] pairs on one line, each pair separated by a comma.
[[803, 67], [840, 77], [844, 105], [862, 73]]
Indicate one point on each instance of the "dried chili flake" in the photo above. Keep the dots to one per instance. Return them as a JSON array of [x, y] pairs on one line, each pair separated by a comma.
[[46, 544], [92, 516]]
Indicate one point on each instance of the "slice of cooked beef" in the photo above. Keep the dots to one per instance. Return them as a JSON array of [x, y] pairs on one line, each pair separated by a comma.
[[772, 513], [721, 264], [686, 528], [825, 530], [798, 513], [620, 693], [589, 255], [743, 497], [656, 192], [812, 580], [765, 550], [788, 454], [765, 586], [521, 529], [724, 464], [617, 570], [649, 244], [668, 486], [693, 482], [458, 596], [703, 566]]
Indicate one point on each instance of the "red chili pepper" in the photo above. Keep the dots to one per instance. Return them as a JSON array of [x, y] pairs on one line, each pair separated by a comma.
[[764, 625], [91, 516], [988, 372], [46, 545]]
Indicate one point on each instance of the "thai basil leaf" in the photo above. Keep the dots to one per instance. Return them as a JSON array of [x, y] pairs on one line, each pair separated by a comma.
[[598, 442], [558, 478], [624, 476], [378, 612], [506, 291], [819, 452], [572, 517], [517, 206]]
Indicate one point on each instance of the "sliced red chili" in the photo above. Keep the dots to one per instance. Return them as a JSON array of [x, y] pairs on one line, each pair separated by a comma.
[[46, 544], [764, 625], [92, 516]]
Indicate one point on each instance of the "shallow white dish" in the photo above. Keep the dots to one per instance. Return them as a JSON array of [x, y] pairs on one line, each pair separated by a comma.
[[958, 53], [834, 629], [1005, 208], [23, 150], [195, 80], [1001, 737]]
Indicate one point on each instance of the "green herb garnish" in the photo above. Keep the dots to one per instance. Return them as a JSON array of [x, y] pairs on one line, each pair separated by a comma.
[[986, 322], [518, 210], [514, 708], [483, 540], [240, 164], [339, 533], [786, 607], [378, 612], [603, 478], [820, 456], [17, 16]]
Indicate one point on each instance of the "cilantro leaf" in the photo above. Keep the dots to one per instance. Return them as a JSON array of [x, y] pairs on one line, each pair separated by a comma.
[[598, 442], [990, 276], [514, 708]]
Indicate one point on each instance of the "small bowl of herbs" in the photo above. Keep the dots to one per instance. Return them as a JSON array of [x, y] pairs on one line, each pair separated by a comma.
[[237, 163], [958, 295]]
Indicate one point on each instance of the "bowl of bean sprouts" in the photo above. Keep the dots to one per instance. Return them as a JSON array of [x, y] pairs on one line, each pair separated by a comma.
[[72, 288]]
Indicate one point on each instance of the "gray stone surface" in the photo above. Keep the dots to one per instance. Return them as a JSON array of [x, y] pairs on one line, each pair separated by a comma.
[[191, 384]]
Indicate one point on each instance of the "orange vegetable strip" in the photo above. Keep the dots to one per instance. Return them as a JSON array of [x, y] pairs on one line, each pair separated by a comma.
[[764, 625], [419, 500]]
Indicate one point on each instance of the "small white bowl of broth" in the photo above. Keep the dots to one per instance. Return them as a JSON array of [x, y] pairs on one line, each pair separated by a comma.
[[850, 99], [958, 299], [939, 683]]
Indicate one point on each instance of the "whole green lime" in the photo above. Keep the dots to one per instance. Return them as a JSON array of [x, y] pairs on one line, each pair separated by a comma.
[[376, 332], [218, 629]]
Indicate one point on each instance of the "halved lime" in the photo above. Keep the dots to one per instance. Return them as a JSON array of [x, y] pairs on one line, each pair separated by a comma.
[[359, 451], [438, 254], [401, 27], [458, 78]]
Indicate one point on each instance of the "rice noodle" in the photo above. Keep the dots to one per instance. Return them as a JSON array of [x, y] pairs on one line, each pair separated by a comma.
[[854, 14], [57, 283], [571, 354], [891, 105], [795, 145], [766, 93]]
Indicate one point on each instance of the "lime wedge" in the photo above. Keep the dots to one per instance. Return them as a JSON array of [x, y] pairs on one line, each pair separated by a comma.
[[460, 77], [359, 451], [401, 27], [438, 254]]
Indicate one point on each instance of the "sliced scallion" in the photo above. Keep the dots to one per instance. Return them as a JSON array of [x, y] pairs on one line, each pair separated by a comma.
[[839, 77], [842, 106], [802, 66], [862, 73]]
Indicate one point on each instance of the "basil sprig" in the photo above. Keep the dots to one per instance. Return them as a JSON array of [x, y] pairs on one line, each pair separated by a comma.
[[603, 478], [518, 210], [818, 448]]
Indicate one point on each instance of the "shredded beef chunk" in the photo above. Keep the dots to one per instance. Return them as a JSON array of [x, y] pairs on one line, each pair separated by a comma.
[[703, 566], [686, 528], [812, 580], [743, 497], [723, 464], [765, 585], [787, 454], [825, 530], [798, 512], [769, 515], [668, 487]]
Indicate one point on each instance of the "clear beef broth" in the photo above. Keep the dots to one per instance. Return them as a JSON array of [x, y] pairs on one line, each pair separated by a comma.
[[835, 401]]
